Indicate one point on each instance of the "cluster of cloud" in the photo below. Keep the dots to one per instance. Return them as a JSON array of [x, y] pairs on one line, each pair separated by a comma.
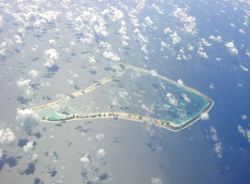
[[217, 144], [51, 56], [143, 40], [244, 132], [158, 9], [181, 55], [111, 56], [175, 38], [33, 73], [171, 99], [25, 85], [30, 15], [231, 47], [215, 38], [188, 21], [201, 52], [6, 136], [26, 115], [206, 43]]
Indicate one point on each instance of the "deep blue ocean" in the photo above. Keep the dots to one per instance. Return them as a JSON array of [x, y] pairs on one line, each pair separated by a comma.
[[50, 49]]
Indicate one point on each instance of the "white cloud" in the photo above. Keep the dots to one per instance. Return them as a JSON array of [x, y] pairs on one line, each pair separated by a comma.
[[52, 42], [140, 37], [248, 135], [144, 48], [245, 69], [243, 117], [204, 116], [101, 154], [175, 38], [231, 47], [149, 22], [22, 83], [51, 56], [216, 38], [100, 29], [18, 39], [33, 73], [180, 83], [34, 156], [29, 146], [185, 97], [241, 130], [116, 14], [92, 59], [211, 86], [205, 42], [146, 108], [248, 53], [26, 113], [164, 44], [188, 21], [99, 137], [202, 53], [218, 147], [85, 160], [244, 132], [213, 133], [155, 180], [171, 99], [167, 30], [122, 30], [6, 136], [111, 55], [124, 43], [190, 47], [218, 59], [157, 8], [50, 16], [153, 72], [242, 31], [34, 48]]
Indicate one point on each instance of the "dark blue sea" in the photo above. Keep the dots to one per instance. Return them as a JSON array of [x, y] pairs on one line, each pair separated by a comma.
[[50, 49]]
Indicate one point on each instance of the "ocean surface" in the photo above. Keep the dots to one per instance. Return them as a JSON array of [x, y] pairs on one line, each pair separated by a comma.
[[50, 49]]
